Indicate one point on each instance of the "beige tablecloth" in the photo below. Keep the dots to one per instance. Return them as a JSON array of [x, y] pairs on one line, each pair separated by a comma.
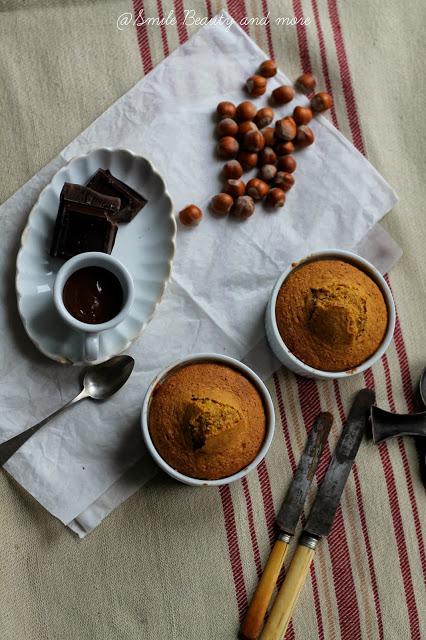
[[181, 563]]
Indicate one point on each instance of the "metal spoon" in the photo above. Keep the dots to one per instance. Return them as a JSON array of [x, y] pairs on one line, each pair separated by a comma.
[[99, 383]]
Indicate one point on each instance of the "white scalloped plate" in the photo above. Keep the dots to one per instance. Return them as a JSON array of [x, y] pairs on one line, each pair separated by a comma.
[[146, 246]]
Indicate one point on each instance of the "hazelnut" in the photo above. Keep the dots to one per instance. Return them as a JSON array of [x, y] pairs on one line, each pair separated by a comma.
[[275, 198], [227, 147], [257, 189], [306, 83], [227, 127], [321, 101], [283, 94], [284, 148], [246, 111], [243, 207], [302, 115], [268, 68], [254, 141], [267, 172], [247, 159], [221, 204], [190, 216], [232, 169], [284, 180], [256, 86], [305, 137], [267, 156], [226, 110], [269, 135], [287, 164], [286, 128], [263, 117], [234, 188], [246, 126]]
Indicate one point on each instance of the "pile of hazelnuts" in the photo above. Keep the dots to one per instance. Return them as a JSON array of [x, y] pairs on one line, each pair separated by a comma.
[[249, 138]]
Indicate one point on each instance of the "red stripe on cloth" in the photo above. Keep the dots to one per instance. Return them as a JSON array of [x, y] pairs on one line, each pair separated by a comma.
[[397, 526], [209, 9], [401, 543], [291, 457], [163, 29], [364, 528], [180, 17], [341, 566], [345, 76], [142, 36], [302, 38], [265, 10], [268, 503], [323, 55], [252, 528], [407, 385], [237, 9], [369, 378], [234, 549], [359, 498], [407, 473]]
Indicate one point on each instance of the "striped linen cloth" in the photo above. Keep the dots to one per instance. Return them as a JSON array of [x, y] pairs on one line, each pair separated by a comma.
[[156, 569]]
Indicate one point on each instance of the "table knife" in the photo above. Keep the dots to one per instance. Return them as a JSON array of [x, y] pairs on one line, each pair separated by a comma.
[[287, 520], [321, 515]]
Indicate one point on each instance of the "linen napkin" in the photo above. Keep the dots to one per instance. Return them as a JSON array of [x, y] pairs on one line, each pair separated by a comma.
[[92, 458]]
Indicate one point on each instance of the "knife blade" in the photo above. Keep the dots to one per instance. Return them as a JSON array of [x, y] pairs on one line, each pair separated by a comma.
[[287, 519], [292, 506], [321, 516]]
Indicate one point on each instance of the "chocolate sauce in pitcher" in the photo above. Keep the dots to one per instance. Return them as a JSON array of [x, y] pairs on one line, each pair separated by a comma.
[[93, 295]]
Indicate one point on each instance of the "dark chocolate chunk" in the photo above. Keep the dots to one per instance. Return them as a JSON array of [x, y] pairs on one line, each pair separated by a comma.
[[83, 223], [131, 201]]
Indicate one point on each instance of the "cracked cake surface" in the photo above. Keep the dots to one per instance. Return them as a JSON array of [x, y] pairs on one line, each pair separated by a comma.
[[207, 420], [331, 315]]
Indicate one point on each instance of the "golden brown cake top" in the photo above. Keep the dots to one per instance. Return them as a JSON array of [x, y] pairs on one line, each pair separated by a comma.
[[207, 420], [331, 315]]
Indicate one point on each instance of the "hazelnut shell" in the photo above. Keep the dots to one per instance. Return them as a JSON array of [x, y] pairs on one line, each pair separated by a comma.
[[257, 189], [268, 68], [243, 207], [306, 83], [190, 216], [226, 109], [275, 198], [227, 147], [246, 111], [232, 169], [283, 94], [221, 204], [256, 86]]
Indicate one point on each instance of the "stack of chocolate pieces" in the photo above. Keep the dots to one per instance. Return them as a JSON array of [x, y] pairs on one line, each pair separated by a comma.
[[88, 216]]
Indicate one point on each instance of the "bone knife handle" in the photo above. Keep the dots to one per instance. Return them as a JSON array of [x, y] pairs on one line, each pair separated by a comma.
[[253, 621], [282, 609]]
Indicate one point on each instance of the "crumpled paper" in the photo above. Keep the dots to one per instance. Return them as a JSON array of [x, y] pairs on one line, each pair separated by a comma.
[[91, 458]]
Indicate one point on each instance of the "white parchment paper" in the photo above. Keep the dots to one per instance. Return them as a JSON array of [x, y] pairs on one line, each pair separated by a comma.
[[91, 458]]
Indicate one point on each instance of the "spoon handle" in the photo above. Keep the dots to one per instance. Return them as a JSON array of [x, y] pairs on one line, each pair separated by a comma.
[[8, 448]]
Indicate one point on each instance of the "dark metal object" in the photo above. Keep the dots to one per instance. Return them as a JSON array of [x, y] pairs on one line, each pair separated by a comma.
[[328, 497], [386, 424], [292, 506]]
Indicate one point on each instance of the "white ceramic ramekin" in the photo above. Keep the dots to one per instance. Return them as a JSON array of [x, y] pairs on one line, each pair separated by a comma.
[[289, 359], [267, 403]]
